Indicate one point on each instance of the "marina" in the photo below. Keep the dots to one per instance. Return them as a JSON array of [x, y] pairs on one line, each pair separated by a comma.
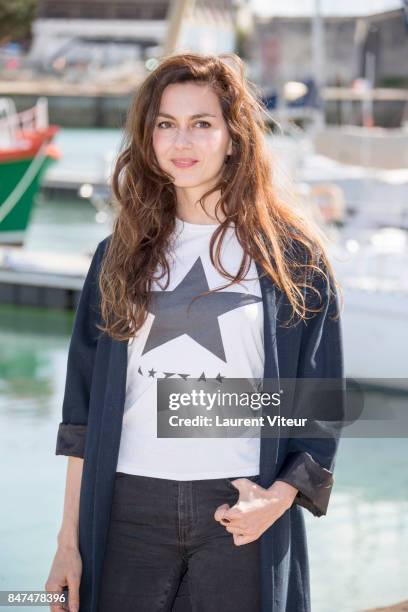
[[42, 279], [336, 89]]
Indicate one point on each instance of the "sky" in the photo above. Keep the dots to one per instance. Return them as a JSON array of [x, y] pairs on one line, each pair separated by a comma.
[[328, 7]]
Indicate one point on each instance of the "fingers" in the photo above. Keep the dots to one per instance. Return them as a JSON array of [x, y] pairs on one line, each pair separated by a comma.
[[237, 530], [235, 519], [73, 589], [231, 514], [220, 512], [239, 540], [55, 588]]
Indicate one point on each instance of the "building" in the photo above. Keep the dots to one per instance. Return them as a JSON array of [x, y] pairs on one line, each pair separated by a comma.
[[372, 46], [136, 29]]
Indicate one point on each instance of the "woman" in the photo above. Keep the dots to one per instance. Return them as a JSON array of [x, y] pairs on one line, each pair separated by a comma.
[[193, 524]]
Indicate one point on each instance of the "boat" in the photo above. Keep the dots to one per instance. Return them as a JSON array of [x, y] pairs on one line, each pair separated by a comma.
[[363, 196], [374, 147], [26, 151], [372, 269]]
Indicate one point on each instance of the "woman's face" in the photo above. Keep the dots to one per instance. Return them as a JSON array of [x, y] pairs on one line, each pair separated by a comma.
[[190, 136]]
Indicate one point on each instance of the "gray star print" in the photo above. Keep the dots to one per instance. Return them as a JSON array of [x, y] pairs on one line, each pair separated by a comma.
[[175, 313]]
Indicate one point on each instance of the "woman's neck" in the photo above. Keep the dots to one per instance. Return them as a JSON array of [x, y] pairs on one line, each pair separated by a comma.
[[189, 209]]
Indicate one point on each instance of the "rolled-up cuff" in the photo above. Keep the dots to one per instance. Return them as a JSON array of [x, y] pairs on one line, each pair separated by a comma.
[[314, 482], [71, 440]]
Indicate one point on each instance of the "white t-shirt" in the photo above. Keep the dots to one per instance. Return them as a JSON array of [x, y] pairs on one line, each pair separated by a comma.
[[223, 338]]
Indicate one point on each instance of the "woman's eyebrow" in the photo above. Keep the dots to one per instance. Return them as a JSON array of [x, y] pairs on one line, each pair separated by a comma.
[[196, 116]]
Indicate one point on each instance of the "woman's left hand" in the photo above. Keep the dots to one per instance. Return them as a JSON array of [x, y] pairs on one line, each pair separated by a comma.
[[256, 509]]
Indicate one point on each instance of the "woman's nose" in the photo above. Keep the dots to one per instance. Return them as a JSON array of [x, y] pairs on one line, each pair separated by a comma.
[[182, 137]]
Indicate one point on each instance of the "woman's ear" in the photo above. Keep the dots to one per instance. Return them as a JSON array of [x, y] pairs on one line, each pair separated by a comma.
[[229, 152]]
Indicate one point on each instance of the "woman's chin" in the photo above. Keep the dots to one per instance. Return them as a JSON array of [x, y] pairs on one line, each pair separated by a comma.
[[187, 183]]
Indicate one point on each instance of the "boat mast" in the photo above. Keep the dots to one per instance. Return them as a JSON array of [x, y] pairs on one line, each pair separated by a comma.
[[318, 67], [177, 11]]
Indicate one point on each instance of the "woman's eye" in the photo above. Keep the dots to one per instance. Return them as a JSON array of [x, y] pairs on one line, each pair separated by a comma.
[[159, 125]]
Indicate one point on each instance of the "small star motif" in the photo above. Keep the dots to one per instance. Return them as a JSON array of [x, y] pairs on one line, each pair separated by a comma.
[[220, 377]]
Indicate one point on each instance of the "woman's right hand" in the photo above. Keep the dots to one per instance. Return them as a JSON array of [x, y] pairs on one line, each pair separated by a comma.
[[66, 570]]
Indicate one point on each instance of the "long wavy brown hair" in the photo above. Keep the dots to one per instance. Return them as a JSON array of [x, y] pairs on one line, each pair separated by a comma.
[[269, 230]]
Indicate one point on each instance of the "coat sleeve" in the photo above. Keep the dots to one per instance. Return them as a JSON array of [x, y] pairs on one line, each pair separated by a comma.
[[81, 357], [309, 463]]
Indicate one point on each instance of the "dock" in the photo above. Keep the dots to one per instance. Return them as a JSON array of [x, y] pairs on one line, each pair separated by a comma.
[[58, 182], [42, 279]]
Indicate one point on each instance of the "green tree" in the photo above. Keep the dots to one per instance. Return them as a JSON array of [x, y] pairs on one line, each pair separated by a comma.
[[16, 17]]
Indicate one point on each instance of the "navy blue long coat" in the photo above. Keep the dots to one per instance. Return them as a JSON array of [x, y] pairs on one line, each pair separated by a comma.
[[92, 420]]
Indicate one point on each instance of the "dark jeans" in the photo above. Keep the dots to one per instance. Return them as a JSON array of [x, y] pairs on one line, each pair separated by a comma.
[[166, 552]]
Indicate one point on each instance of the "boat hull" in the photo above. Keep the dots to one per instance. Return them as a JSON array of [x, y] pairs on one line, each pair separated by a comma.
[[375, 336], [14, 224]]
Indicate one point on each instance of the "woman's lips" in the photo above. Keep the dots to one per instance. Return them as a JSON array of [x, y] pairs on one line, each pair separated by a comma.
[[184, 163]]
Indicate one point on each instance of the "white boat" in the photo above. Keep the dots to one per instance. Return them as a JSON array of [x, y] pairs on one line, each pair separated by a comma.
[[369, 147], [373, 197], [372, 268]]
